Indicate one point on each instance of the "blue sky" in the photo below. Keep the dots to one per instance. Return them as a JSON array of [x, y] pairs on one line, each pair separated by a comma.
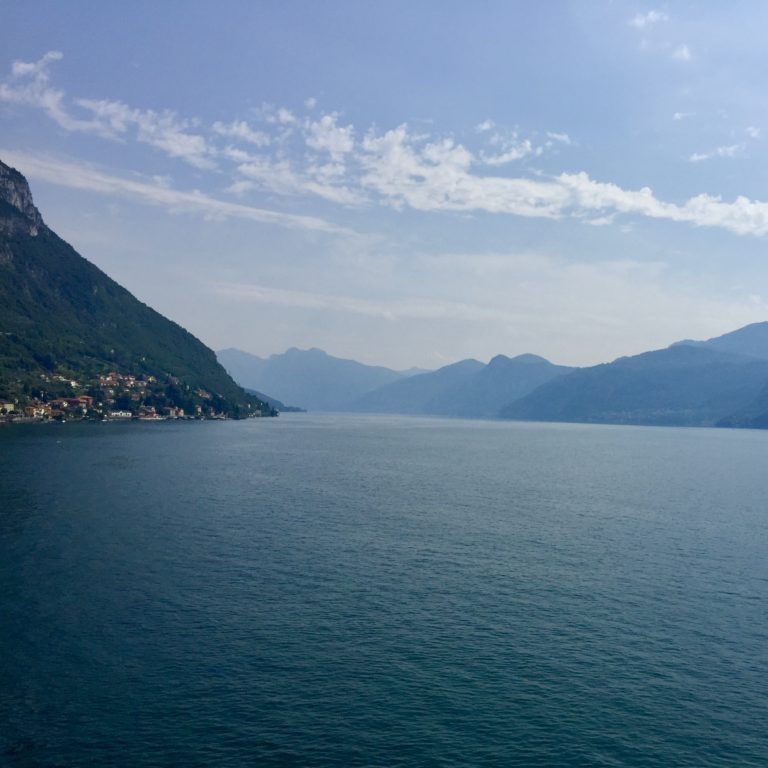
[[405, 183]]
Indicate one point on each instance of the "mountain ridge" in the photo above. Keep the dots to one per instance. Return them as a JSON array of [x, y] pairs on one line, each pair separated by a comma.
[[680, 385], [467, 389], [722, 381], [310, 378]]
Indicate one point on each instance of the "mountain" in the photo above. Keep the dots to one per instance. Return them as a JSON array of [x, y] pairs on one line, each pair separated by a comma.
[[468, 388], [718, 382], [422, 394], [273, 402], [751, 340], [309, 378], [502, 381], [62, 320], [753, 415], [685, 384]]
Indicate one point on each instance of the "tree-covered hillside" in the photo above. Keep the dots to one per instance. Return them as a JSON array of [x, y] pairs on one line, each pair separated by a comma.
[[61, 318]]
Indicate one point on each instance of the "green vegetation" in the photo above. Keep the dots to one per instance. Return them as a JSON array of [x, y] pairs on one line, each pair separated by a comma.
[[62, 320]]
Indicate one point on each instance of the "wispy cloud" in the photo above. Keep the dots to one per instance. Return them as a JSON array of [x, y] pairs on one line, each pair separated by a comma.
[[29, 85], [78, 176], [239, 129], [510, 153], [290, 154], [37, 70], [325, 135], [416, 308], [643, 20], [562, 138], [729, 150], [163, 130], [682, 53], [279, 176], [438, 176]]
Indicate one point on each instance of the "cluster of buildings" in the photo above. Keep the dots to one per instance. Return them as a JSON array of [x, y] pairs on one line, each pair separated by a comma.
[[122, 396], [83, 407], [38, 410]]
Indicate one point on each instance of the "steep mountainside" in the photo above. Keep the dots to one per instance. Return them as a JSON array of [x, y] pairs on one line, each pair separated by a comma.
[[61, 318], [307, 378], [682, 385]]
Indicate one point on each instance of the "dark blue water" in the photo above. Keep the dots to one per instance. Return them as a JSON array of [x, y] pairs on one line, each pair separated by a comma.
[[349, 591]]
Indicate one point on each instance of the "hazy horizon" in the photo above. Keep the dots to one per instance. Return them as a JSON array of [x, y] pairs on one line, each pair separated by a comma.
[[399, 186], [485, 361]]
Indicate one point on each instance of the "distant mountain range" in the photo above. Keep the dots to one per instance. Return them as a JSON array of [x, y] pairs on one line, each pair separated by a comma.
[[719, 382], [681, 385], [62, 320], [468, 388], [308, 378], [315, 380]]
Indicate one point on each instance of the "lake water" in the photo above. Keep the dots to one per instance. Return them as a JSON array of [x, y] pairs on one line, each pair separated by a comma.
[[320, 590]]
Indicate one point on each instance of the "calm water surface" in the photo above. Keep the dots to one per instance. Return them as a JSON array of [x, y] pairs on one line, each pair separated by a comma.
[[377, 591]]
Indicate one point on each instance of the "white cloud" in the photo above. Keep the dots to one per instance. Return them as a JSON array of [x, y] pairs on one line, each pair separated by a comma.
[[753, 132], [396, 168], [325, 135], [731, 150], [239, 188], [235, 154], [77, 176], [642, 20], [37, 69], [682, 53], [310, 103], [602, 221], [162, 130], [28, 85], [563, 138], [439, 177], [682, 115], [486, 125], [239, 129], [516, 152], [280, 177]]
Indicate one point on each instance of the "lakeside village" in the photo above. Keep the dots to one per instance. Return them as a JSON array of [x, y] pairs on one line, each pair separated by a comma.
[[112, 396]]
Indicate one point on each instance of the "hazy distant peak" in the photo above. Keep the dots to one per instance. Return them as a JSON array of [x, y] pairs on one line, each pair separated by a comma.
[[751, 340], [310, 378], [528, 357], [312, 352], [469, 363]]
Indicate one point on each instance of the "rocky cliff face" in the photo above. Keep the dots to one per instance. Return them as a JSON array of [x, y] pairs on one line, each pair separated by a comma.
[[18, 214]]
